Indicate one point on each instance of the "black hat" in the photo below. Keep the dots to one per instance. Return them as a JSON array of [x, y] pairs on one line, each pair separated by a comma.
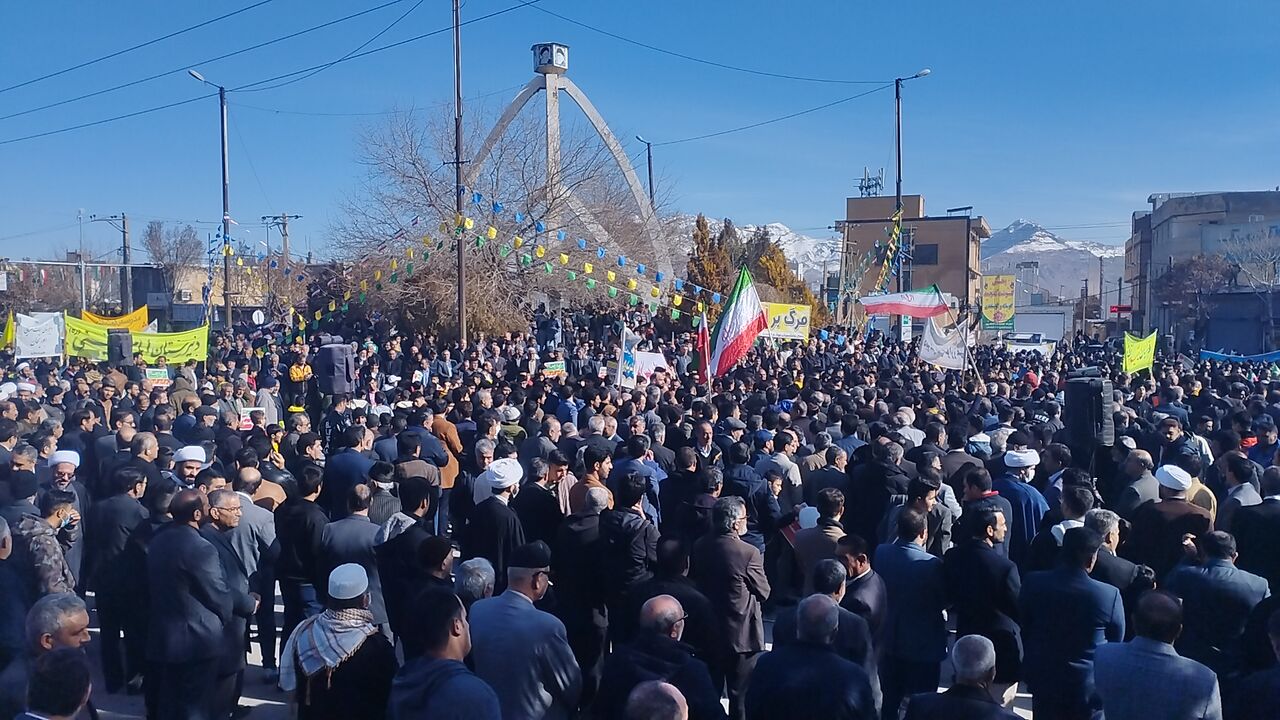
[[531, 556], [23, 484], [206, 411]]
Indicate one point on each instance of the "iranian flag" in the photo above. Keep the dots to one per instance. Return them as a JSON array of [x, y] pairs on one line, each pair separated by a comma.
[[924, 303], [702, 361], [742, 320]]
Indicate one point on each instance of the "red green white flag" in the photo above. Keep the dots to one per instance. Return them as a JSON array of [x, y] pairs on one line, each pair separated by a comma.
[[742, 320], [924, 303]]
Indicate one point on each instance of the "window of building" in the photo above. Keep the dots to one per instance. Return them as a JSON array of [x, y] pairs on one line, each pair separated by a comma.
[[925, 254]]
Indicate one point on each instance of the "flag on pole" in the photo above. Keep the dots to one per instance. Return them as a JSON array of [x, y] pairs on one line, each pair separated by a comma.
[[924, 303], [742, 320], [704, 349]]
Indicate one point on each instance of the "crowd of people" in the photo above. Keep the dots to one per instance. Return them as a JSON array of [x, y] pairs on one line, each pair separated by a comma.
[[502, 530]]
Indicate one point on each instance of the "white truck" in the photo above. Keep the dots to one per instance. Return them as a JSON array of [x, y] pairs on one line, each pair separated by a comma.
[[1051, 323]]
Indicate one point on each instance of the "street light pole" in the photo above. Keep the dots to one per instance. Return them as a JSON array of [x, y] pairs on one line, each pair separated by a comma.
[[226, 199], [457, 168], [648, 151], [904, 267]]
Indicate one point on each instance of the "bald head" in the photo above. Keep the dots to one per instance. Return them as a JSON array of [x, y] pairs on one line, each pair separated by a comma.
[[1159, 616], [663, 615], [817, 618], [654, 700], [1138, 461], [187, 506], [247, 480]]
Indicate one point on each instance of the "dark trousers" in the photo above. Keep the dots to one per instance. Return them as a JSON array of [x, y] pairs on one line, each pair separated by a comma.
[[900, 678], [441, 511], [264, 583], [181, 691], [732, 673], [587, 641], [1062, 709], [300, 603], [226, 694], [116, 668]]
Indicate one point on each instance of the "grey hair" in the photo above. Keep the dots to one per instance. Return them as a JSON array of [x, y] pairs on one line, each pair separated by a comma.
[[596, 424], [294, 421], [655, 700], [658, 431], [48, 613], [27, 452], [1102, 521], [727, 512], [537, 469], [597, 500], [485, 446], [822, 441], [895, 452], [974, 657], [473, 578], [817, 618], [660, 621], [1000, 439]]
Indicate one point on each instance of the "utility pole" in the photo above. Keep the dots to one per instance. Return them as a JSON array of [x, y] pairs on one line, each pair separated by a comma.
[[80, 219], [904, 264], [226, 211], [281, 221], [457, 167], [1102, 293], [1084, 305], [126, 258]]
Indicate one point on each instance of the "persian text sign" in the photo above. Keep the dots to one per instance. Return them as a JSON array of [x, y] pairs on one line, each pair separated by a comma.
[[136, 320], [87, 340], [997, 302], [786, 322]]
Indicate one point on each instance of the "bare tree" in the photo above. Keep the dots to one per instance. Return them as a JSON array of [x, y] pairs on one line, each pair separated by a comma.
[[172, 248], [408, 176], [1255, 263]]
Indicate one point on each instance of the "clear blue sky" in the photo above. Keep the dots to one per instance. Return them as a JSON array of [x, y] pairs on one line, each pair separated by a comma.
[[1065, 113]]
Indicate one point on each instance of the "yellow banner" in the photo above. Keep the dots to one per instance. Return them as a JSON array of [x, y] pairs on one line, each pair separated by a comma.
[[1139, 353], [9, 332], [135, 321], [997, 302], [786, 322], [87, 340]]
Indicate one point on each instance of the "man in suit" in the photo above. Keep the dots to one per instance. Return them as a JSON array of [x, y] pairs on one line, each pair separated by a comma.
[[344, 469], [1140, 485], [226, 513], [59, 687], [300, 530], [819, 542], [1256, 529], [853, 637], [447, 433], [984, 586], [1240, 478], [970, 697], [1146, 678], [1066, 615], [189, 605], [915, 635], [730, 572], [400, 568], [831, 475], [977, 494], [580, 597], [494, 530], [1217, 598], [522, 652], [1257, 696], [1130, 579], [108, 526], [808, 679], [1158, 528], [351, 540], [956, 457], [864, 591], [254, 540]]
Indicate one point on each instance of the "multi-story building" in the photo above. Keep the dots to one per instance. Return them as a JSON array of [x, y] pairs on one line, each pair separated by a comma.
[[944, 250], [1137, 263]]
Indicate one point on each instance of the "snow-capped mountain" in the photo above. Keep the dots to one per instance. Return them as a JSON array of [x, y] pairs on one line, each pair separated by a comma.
[[807, 253], [1062, 263]]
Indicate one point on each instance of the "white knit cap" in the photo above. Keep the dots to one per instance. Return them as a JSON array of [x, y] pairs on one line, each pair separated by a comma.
[[65, 456], [1173, 477], [1022, 458], [348, 581], [504, 473], [189, 453]]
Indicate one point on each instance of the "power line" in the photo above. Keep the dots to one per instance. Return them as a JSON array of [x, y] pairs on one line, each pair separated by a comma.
[[762, 123], [139, 46], [362, 46], [431, 106], [206, 61], [703, 61], [104, 121], [379, 49]]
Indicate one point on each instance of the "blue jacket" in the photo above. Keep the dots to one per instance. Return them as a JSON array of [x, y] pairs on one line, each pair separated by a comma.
[[763, 512], [429, 688], [914, 628], [1146, 678], [1217, 598], [1066, 615], [342, 471], [1028, 507]]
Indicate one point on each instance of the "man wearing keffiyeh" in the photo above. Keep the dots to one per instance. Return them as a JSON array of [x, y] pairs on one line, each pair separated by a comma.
[[336, 663]]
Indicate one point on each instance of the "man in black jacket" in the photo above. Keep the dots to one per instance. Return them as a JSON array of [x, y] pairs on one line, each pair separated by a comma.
[[300, 526], [741, 480], [109, 525], [864, 591], [224, 513], [575, 566], [656, 653], [671, 578], [970, 697], [629, 549], [807, 679], [397, 552], [189, 605], [536, 504], [1132, 580]]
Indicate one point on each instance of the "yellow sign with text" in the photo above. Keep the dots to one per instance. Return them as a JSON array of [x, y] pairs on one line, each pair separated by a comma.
[[1139, 353], [786, 322], [89, 341], [997, 302], [135, 321]]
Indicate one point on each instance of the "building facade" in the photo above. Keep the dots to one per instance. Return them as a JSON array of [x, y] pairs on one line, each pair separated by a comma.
[[944, 250], [1137, 263]]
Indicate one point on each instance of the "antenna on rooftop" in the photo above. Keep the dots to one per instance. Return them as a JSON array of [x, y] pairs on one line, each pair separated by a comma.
[[871, 185]]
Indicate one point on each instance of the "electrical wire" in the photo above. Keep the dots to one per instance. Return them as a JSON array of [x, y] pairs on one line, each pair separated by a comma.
[[206, 61], [426, 108], [104, 121], [249, 158], [362, 46], [381, 48], [703, 61], [139, 46], [771, 121]]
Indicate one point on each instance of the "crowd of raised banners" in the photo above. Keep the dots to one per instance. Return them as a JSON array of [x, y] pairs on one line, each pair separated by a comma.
[[52, 334]]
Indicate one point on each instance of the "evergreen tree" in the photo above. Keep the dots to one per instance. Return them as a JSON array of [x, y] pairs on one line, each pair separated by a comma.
[[710, 264]]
